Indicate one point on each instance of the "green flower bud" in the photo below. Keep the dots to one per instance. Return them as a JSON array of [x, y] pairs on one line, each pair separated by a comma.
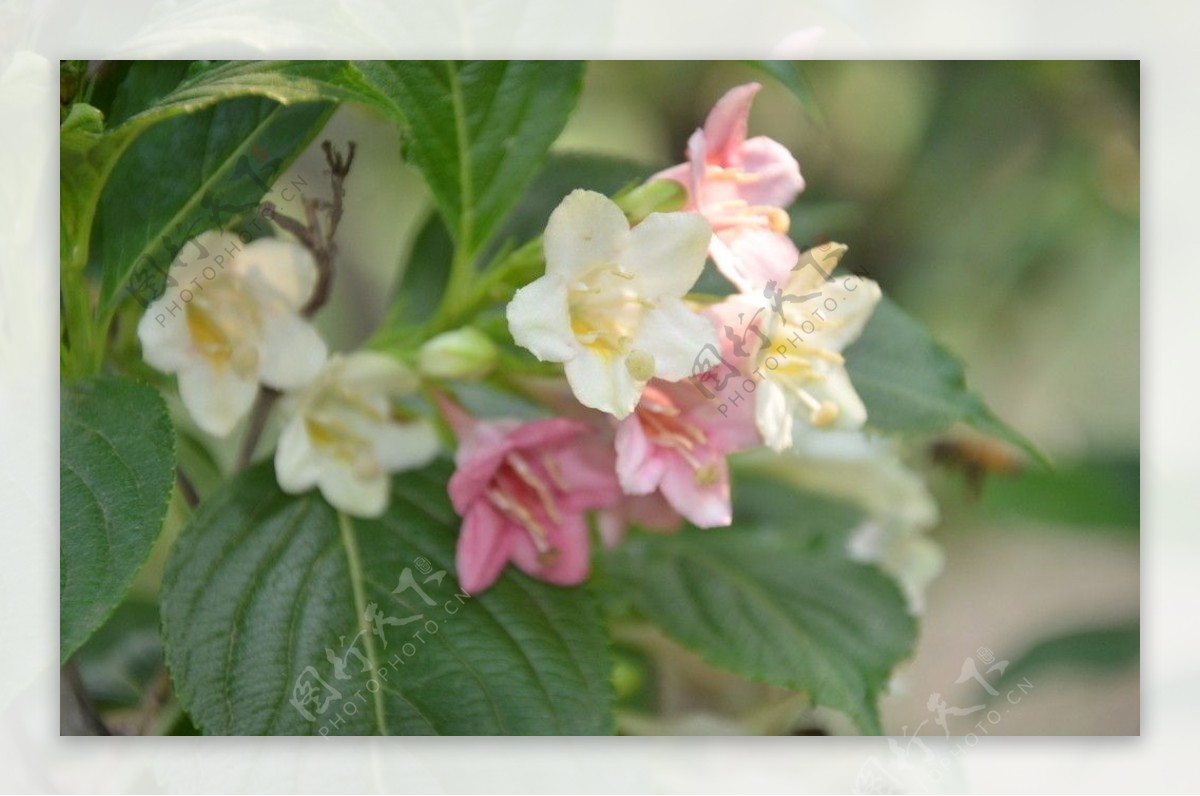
[[657, 196], [464, 353]]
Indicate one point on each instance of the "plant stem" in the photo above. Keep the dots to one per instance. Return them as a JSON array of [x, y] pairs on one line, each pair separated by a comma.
[[263, 403]]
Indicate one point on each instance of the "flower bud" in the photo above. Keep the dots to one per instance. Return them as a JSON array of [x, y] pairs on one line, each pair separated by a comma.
[[656, 196], [464, 353]]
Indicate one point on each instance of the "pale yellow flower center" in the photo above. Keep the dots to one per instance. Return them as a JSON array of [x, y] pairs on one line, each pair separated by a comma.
[[224, 323], [798, 369], [338, 423], [605, 310]]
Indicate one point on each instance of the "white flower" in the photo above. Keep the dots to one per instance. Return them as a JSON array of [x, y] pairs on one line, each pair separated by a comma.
[[344, 435], [813, 318], [229, 320], [869, 472], [609, 306]]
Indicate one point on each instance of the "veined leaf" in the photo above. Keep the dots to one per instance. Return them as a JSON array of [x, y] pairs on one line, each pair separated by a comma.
[[910, 383], [784, 608], [479, 130], [283, 617], [116, 469]]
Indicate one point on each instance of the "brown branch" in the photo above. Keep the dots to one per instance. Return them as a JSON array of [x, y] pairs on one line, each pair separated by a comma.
[[154, 699], [263, 403], [187, 488]]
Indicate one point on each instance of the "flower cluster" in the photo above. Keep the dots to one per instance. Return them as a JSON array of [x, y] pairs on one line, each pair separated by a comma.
[[659, 385], [656, 369]]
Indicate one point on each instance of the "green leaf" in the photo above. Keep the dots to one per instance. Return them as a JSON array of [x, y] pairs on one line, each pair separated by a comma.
[[1094, 494], [120, 659], [143, 86], [1096, 650], [188, 175], [563, 173], [782, 607], [116, 470], [285, 82], [479, 130], [423, 282], [791, 76], [262, 585], [910, 383]]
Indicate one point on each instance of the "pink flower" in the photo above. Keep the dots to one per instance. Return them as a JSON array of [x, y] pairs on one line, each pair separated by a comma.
[[741, 186], [522, 490], [650, 512], [675, 443]]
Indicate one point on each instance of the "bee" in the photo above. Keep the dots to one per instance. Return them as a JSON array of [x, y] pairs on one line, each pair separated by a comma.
[[976, 457]]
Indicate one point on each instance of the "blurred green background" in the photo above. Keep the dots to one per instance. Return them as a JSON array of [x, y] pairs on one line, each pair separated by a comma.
[[999, 203]]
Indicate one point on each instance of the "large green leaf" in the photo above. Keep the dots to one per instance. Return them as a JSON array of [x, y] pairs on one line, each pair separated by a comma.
[[910, 383], [263, 590], [116, 469], [479, 130], [187, 175], [783, 607]]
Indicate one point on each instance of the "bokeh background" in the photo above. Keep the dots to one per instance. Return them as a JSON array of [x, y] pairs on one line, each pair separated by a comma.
[[999, 203]]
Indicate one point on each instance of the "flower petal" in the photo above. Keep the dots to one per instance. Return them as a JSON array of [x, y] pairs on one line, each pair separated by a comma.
[[856, 299], [705, 505], [297, 462], [166, 341], [569, 565], [216, 398], [603, 382], [291, 352], [281, 269], [773, 414], [360, 497], [640, 465], [675, 336], [539, 321], [837, 387], [778, 174], [405, 446], [484, 546], [585, 230], [725, 127], [213, 249], [750, 258], [666, 253]]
